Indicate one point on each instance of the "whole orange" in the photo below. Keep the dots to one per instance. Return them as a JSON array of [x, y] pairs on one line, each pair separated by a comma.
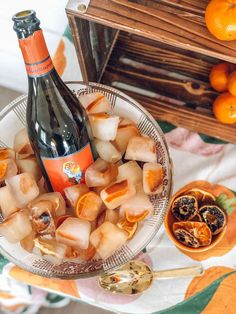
[[232, 83], [224, 108], [220, 19], [219, 75]]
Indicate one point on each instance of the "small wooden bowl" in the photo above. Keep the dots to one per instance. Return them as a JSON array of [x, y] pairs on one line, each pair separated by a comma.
[[169, 221]]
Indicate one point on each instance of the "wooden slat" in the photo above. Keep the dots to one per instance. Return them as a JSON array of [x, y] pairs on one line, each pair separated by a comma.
[[94, 43], [162, 69], [185, 117], [167, 57], [183, 90], [162, 106], [179, 29], [79, 51], [190, 119]]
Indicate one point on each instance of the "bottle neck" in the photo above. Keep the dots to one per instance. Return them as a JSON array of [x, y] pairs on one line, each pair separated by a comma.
[[38, 62]]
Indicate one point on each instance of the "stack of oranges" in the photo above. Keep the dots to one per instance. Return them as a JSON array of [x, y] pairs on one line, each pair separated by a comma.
[[223, 80]]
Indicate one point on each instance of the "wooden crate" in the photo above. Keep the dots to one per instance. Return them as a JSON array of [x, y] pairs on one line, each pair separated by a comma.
[[157, 51]]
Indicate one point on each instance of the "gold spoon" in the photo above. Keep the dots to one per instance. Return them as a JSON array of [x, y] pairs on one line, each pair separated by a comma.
[[135, 277]]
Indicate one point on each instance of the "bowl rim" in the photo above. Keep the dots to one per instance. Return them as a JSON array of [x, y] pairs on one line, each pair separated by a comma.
[[125, 97]]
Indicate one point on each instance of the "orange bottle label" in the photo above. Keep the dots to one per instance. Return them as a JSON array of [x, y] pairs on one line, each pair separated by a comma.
[[69, 170], [35, 52]]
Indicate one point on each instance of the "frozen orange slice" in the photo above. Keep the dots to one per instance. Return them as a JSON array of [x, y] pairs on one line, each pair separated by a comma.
[[6, 153], [152, 178], [95, 102], [8, 169], [88, 206], [117, 193], [61, 219], [3, 170], [127, 226], [136, 217]]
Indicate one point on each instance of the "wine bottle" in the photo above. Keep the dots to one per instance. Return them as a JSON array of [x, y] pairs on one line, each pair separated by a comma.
[[58, 126]]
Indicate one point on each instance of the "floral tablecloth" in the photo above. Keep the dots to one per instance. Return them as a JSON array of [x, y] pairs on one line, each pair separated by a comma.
[[195, 157]]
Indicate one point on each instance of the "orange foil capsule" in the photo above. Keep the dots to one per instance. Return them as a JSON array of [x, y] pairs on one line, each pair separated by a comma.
[[152, 178], [117, 193]]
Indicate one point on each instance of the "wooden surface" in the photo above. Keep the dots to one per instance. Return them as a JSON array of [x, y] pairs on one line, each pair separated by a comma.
[[179, 23]]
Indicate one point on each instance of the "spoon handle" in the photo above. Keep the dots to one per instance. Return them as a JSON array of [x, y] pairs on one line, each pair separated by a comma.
[[179, 272]]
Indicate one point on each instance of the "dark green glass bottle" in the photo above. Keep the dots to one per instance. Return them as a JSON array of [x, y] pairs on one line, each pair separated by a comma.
[[57, 123]]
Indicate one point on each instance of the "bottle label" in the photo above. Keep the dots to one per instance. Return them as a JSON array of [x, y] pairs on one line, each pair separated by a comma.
[[69, 170], [35, 52]]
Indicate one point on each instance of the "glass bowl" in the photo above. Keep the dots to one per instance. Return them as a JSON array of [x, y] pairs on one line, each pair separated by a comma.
[[12, 119]]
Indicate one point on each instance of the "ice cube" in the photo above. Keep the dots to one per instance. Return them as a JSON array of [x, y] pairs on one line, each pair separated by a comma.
[[52, 251], [24, 188], [74, 232], [117, 193], [7, 202], [74, 192], [29, 165], [152, 178], [95, 102], [16, 227], [107, 239], [8, 169], [59, 204], [130, 171], [104, 126], [7, 153], [141, 148], [84, 255], [112, 215], [100, 173], [28, 242], [126, 130], [138, 207], [22, 144], [88, 206], [129, 227], [107, 151], [42, 215]]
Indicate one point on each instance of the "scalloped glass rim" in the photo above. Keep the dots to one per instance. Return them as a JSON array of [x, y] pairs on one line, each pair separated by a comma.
[[71, 270]]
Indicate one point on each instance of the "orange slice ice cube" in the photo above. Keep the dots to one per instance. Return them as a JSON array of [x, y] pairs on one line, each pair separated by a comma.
[[152, 178], [88, 206], [117, 193], [141, 148]]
